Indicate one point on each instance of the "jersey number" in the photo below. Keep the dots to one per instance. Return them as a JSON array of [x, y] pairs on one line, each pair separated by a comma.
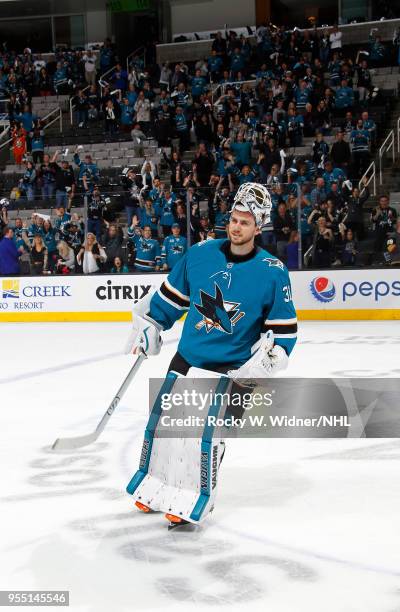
[[288, 293]]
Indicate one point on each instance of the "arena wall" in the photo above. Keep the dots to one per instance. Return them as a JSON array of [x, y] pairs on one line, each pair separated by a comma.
[[371, 294], [192, 15]]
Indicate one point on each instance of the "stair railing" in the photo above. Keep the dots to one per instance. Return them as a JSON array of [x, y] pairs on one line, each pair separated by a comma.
[[386, 146], [370, 175]]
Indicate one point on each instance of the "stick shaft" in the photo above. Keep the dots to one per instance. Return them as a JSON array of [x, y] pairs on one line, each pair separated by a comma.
[[120, 393]]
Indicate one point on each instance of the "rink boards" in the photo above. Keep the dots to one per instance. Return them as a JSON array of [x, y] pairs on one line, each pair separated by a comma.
[[369, 294]]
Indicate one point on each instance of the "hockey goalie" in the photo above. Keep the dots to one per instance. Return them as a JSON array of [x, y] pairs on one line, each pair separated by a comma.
[[240, 325]]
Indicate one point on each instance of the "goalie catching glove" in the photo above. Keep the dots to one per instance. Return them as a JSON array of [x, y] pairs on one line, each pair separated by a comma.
[[145, 334], [267, 360]]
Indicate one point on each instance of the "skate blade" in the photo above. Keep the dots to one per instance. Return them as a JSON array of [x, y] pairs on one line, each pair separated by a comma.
[[177, 521], [142, 507], [174, 519]]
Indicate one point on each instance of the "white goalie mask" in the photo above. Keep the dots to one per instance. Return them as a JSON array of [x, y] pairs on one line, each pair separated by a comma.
[[254, 198]]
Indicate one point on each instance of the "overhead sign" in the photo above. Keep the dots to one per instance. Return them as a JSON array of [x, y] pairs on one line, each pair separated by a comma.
[[128, 6]]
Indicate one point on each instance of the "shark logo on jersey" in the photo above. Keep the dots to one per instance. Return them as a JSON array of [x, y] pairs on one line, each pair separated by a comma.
[[218, 313], [274, 263], [145, 246], [177, 248]]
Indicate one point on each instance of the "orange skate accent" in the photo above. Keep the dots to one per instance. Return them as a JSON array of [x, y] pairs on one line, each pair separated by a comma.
[[173, 519], [142, 507]]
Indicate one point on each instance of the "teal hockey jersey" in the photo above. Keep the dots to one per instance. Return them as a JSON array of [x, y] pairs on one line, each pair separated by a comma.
[[230, 301], [148, 253], [173, 250]]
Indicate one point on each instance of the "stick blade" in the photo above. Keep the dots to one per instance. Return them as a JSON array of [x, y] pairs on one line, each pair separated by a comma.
[[71, 443]]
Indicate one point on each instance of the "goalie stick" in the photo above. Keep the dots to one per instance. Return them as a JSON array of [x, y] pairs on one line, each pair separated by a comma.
[[79, 441]]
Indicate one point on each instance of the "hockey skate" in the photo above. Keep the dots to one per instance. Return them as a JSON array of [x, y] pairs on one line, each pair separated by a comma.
[[143, 507], [176, 521]]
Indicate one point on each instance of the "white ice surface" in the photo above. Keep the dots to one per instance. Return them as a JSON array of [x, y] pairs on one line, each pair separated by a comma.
[[299, 525]]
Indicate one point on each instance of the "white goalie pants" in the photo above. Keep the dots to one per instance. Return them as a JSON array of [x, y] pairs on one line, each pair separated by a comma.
[[179, 475]]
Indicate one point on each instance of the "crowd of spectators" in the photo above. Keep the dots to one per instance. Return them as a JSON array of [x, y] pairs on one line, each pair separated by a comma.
[[155, 235], [24, 75], [244, 113], [64, 246]]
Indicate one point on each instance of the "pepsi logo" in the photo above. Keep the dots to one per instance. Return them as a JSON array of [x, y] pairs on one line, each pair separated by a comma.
[[323, 289]]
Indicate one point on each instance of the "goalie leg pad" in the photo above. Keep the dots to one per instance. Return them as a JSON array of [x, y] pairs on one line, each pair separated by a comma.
[[149, 434], [179, 475]]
